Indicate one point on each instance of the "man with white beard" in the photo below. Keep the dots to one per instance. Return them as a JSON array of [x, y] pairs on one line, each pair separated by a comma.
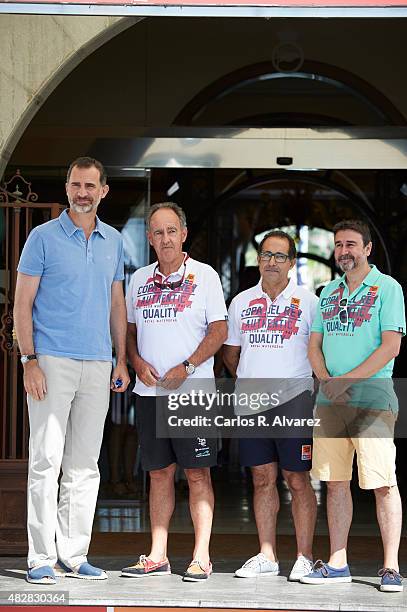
[[355, 337], [69, 300]]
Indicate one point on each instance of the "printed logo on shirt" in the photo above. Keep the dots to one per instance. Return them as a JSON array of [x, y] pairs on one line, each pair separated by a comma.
[[270, 325], [359, 311], [158, 304], [306, 452]]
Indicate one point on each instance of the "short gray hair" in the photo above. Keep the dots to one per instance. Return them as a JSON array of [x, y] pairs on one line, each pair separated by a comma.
[[172, 206]]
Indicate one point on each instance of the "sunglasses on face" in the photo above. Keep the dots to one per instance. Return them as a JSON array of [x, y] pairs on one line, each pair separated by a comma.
[[278, 257], [343, 311]]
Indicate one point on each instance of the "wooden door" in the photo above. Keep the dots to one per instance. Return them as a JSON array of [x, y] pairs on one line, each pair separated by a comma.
[[20, 211]]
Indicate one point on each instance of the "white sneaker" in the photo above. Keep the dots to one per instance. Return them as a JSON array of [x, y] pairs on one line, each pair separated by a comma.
[[258, 566], [302, 567]]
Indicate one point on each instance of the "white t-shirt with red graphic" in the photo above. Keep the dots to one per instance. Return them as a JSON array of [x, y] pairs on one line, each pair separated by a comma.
[[274, 336], [171, 323]]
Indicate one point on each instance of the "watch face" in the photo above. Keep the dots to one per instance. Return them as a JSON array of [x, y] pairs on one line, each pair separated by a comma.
[[190, 369], [27, 358]]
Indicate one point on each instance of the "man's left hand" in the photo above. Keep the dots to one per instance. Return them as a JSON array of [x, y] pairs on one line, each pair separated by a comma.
[[120, 372], [337, 389], [174, 377]]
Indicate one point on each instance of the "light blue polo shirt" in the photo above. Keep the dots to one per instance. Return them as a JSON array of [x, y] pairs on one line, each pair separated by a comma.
[[71, 311], [377, 305]]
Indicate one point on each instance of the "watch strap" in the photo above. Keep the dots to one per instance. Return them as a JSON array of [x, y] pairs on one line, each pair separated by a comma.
[[190, 367], [25, 358]]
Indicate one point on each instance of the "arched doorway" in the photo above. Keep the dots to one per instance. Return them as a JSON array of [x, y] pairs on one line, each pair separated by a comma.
[[318, 94], [157, 87]]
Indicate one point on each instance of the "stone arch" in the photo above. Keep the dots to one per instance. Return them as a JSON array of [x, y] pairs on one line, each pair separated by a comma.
[[34, 67]]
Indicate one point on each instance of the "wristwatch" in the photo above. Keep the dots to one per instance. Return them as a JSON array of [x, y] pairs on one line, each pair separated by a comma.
[[190, 368], [25, 358]]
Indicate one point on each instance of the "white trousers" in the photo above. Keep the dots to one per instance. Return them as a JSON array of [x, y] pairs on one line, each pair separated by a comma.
[[66, 430]]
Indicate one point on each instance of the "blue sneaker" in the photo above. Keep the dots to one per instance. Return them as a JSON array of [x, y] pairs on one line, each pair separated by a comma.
[[85, 571], [391, 581], [322, 573], [41, 575]]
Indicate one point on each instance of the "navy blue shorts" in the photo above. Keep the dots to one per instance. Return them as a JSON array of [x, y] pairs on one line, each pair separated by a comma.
[[159, 453], [292, 454]]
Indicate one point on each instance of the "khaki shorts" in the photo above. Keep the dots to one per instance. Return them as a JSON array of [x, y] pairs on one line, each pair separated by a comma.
[[344, 430]]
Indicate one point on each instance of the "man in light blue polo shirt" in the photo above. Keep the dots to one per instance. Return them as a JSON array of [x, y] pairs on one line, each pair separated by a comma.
[[355, 337], [69, 300]]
